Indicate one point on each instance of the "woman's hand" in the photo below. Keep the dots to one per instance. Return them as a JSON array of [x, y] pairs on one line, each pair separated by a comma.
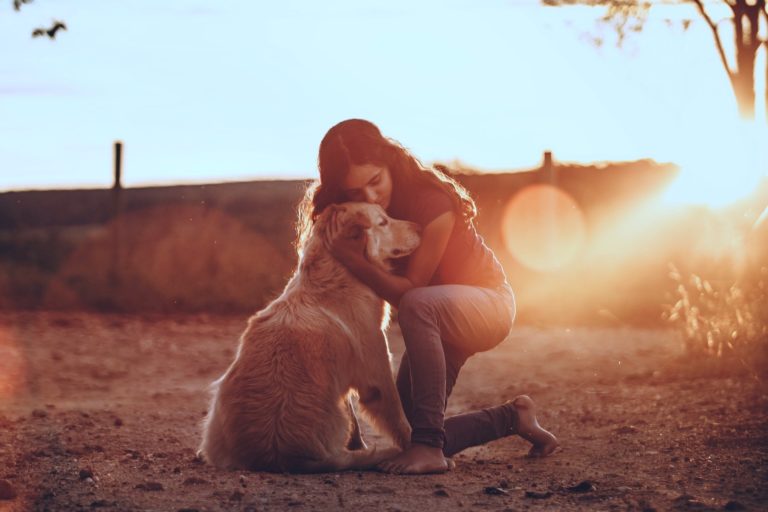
[[347, 244]]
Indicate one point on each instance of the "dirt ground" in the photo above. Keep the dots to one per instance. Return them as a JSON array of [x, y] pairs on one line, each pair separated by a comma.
[[104, 411]]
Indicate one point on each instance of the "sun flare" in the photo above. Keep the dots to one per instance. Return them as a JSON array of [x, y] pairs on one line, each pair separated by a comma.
[[543, 227], [722, 168]]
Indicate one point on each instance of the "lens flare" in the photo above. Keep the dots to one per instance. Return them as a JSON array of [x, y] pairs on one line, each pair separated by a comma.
[[543, 228]]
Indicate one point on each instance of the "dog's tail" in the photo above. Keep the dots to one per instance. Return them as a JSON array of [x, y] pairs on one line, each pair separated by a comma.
[[367, 458]]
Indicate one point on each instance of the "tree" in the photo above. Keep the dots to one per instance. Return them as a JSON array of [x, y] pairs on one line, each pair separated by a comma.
[[746, 17]]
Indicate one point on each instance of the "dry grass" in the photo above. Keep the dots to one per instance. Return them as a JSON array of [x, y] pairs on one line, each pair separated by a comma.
[[726, 320]]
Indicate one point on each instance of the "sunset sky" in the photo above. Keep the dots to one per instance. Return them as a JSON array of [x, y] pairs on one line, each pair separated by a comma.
[[209, 91]]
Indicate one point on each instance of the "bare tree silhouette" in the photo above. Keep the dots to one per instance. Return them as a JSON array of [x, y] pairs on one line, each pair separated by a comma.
[[746, 18]]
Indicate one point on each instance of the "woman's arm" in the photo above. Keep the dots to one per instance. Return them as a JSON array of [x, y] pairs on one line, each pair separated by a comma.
[[421, 266]]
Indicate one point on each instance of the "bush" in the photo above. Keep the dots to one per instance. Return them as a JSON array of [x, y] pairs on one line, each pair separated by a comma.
[[722, 319]]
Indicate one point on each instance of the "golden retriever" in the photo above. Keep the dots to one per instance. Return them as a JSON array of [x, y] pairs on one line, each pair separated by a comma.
[[283, 404]]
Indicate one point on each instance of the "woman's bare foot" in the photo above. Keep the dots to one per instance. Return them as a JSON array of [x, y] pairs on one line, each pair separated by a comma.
[[416, 460], [544, 443]]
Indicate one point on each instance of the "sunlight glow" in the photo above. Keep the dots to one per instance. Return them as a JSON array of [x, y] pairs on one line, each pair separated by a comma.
[[722, 168], [543, 227]]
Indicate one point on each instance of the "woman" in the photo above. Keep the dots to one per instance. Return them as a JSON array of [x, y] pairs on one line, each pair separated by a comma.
[[452, 296]]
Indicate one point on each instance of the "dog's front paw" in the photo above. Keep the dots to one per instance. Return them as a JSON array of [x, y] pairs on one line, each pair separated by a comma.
[[403, 437]]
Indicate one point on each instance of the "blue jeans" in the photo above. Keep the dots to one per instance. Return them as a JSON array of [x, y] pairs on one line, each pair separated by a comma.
[[442, 326]]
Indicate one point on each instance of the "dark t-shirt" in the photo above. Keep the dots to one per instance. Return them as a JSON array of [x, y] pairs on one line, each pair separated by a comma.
[[467, 260]]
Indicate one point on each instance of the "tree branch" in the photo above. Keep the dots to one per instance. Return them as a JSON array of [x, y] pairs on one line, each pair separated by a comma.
[[716, 34]]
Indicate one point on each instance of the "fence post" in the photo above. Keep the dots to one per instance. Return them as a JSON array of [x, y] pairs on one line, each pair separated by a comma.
[[117, 207], [548, 172]]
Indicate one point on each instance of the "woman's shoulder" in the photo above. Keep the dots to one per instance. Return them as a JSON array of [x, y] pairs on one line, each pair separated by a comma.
[[428, 202]]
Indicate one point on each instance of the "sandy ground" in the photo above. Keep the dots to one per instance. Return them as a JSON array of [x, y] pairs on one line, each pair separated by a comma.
[[103, 412]]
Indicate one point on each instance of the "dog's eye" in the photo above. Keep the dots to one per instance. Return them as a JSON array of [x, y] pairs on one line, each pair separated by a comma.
[[383, 222]]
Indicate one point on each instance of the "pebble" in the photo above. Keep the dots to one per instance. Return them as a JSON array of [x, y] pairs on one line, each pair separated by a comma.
[[734, 505], [86, 473], [442, 493], [494, 491], [7, 492], [39, 413], [583, 486]]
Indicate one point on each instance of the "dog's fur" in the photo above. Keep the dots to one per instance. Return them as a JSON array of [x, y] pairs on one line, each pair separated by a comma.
[[282, 405]]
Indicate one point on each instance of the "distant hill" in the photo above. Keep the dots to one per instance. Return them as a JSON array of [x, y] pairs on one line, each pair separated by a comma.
[[228, 247]]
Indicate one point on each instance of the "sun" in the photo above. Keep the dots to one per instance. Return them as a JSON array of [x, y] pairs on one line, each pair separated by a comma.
[[721, 168]]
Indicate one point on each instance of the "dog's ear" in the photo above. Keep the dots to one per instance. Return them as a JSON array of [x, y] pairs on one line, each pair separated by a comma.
[[354, 227], [363, 220], [353, 231]]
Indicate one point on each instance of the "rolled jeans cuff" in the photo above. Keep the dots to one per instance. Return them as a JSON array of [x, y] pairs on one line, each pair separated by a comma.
[[429, 436]]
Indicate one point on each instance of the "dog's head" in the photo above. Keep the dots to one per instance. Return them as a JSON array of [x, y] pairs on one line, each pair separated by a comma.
[[387, 238]]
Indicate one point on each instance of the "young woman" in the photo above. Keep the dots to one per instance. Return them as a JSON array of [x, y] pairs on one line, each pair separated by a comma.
[[452, 296]]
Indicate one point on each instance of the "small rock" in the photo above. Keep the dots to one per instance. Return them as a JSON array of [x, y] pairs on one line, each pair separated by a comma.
[[442, 493], [118, 422], [39, 413], [101, 503], [734, 505], [626, 430], [583, 486], [7, 492], [504, 483], [86, 473], [623, 488], [150, 486], [236, 496], [495, 491], [538, 495]]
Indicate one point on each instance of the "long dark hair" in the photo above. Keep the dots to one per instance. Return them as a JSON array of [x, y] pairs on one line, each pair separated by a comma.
[[359, 142]]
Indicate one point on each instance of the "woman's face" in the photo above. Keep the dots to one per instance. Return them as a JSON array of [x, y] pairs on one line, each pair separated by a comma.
[[369, 183]]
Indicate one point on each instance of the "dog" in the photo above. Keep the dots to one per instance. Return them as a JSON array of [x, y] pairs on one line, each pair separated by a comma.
[[284, 404]]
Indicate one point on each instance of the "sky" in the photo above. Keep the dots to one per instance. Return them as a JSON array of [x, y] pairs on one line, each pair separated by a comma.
[[203, 91]]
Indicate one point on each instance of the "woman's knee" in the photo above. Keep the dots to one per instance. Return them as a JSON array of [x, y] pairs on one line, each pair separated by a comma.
[[416, 303]]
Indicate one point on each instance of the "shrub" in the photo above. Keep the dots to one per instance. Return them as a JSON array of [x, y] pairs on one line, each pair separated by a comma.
[[723, 319]]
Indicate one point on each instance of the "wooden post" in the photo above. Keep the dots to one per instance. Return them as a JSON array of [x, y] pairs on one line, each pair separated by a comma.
[[117, 208], [118, 165], [548, 169]]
